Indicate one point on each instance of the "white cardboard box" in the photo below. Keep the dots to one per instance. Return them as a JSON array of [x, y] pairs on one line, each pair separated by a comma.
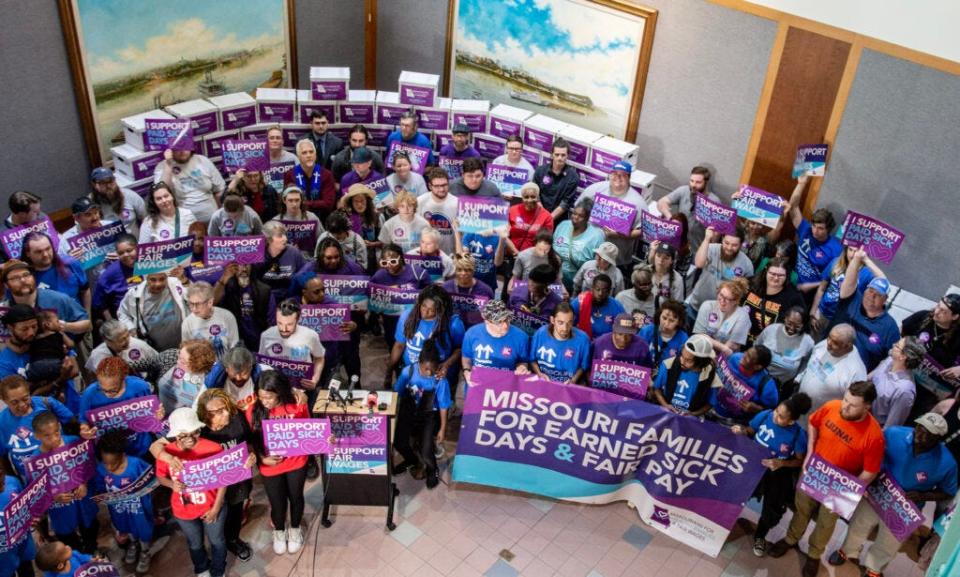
[[436, 118], [378, 134], [359, 108], [442, 138], [276, 105], [506, 120], [203, 115], [329, 83], [389, 108], [540, 130], [587, 176], [341, 131], [489, 146], [641, 180], [134, 126], [213, 142], [134, 163], [256, 131], [473, 113], [608, 150], [141, 187], [581, 143], [236, 110], [306, 105], [419, 89], [292, 132]]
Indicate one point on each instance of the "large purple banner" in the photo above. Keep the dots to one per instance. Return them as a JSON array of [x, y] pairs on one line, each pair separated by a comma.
[[889, 500], [608, 212], [879, 240], [687, 478], [837, 490], [221, 470], [224, 250], [69, 466]]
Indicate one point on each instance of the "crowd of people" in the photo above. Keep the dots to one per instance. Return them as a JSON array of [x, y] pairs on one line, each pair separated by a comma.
[[797, 318]]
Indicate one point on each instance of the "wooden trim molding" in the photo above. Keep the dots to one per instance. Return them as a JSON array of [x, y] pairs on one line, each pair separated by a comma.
[[70, 32], [770, 80], [370, 45]]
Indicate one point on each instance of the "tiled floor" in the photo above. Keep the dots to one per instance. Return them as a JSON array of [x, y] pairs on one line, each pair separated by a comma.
[[469, 531]]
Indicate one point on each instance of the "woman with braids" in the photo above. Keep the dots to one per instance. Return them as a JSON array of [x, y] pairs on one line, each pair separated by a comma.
[[431, 317], [938, 331], [424, 401], [283, 477]]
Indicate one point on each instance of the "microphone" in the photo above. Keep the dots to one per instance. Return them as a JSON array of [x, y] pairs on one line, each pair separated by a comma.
[[334, 392], [354, 381], [373, 399]]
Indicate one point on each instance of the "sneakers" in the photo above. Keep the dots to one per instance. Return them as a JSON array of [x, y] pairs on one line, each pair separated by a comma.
[[837, 558], [240, 549], [204, 574], [130, 556], [811, 567], [294, 540], [143, 565], [313, 469], [780, 548], [433, 479], [280, 542], [759, 547], [439, 453], [400, 469]]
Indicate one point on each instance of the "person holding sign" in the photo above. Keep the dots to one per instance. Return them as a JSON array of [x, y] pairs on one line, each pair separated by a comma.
[[431, 317], [313, 179], [472, 182], [925, 470], [17, 558], [116, 279], [537, 298], [165, 220], [194, 179], [294, 208], [684, 382], [815, 241], [283, 477], [289, 340], [618, 187], [665, 334], [256, 192], [514, 156], [844, 434], [24, 209], [877, 330], [115, 204], [622, 343], [718, 261], [938, 331], [682, 200], [424, 402], [361, 172], [430, 249], [575, 239], [395, 272], [495, 344], [198, 513], [753, 390], [723, 320], [18, 441], [280, 158], [114, 384], [560, 352], [828, 294], [234, 218]]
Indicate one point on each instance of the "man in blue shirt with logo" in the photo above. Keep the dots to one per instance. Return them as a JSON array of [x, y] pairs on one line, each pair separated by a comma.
[[595, 311], [559, 351], [920, 463], [876, 330], [408, 134], [496, 343], [816, 246]]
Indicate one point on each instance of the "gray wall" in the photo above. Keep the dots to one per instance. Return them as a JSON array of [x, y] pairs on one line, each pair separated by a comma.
[[411, 35], [330, 33], [895, 159], [706, 73]]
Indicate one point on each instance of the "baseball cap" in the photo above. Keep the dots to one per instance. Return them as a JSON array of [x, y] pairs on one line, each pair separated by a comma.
[[496, 311], [623, 166], [881, 285], [952, 301], [623, 325], [19, 313], [183, 420], [699, 346], [667, 249], [361, 154], [461, 128], [608, 252], [934, 423], [82, 205], [101, 174]]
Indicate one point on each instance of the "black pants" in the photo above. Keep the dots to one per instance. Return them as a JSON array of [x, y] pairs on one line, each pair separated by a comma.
[[84, 539], [423, 427], [283, 490], [26, 569], [776, 488], [389, 330], [231, 529]]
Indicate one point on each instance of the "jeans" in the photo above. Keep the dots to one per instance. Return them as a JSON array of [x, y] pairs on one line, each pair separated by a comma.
[[283, 489], [194, 530]]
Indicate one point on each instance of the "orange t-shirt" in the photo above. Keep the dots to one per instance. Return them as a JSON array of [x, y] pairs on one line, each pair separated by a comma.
[[854, 446]]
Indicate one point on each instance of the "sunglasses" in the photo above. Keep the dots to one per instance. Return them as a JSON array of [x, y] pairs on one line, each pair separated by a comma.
[[389, 261]]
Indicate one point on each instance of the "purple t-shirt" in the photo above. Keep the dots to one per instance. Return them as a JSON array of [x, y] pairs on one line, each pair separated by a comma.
[[450, 152], [410, 276], [521, 296], [637, 352], [351, 178]]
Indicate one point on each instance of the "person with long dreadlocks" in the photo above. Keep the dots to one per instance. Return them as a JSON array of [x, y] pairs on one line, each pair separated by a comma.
[[432, 316]]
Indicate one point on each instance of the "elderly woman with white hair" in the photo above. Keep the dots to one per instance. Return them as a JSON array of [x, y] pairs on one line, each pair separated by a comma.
[[316, 182], [430, 249], [282, 261]]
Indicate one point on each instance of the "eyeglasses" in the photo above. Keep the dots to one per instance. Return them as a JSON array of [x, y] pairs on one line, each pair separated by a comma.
[[196, 304], [185, 436], [389, 261], [724, 298], [19, 277], [515, 148]]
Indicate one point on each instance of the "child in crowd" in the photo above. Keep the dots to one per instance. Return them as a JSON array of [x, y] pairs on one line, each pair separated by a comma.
[[17, 558], [57, 559], [132, 516], [424, 401], [777, 429], [48, 349]]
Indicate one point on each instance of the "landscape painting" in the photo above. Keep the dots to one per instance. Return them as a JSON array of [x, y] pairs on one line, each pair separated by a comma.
[[580, 61], [136, 56]]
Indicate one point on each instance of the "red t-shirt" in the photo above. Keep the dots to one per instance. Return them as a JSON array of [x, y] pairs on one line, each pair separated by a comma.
[[525, 224], [289, 411], [189, 504], [854, 446]]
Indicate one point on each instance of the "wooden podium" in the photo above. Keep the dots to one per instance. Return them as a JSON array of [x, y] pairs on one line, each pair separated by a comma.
[[369, 488]]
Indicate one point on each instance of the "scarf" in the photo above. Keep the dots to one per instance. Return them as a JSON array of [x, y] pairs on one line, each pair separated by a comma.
[[313, 191], [584, 323]]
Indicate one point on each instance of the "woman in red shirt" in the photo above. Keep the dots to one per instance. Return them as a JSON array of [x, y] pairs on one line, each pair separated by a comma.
[[283, 477], [527, 219], [197, 512]]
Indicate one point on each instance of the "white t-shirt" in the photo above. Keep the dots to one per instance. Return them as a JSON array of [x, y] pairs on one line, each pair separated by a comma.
[[414, 184], [734, 328], [827, 377], [788, 351], [195, 184], [524, 164], [133, 212], [220, 329], [440, 215], [135, 351], [716, 271], [303, 345], [178, 388], [405, 234], [166, 229]]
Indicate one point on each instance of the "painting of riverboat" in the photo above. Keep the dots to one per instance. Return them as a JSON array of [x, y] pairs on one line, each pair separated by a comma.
[[583, 62], [131, 56]]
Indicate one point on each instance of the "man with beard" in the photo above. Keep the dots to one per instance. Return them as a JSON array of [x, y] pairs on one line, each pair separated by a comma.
[[22, 288], [23, 324], [115, 203], [718, 261], [560, 351], [683, 199], [330, 262], [439, 207]]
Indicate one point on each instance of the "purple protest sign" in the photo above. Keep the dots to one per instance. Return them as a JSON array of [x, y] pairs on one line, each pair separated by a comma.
[[69, 466], [274, 175], [837, 490], [390, 300], [250, 155], [734, 388], [555, 288], [224, 250], [609, 212], [529, 323], [811, 159], [419, 155], [295, 370], [433, 265], [302, 234], [633, 453], [381, 190], [350, 290], [95, 244], [358, 445], [163, 134], [96, 569], [758, 205], [30, 504], [226, 468], [508, 179], [296, 437], [163, 256], [715, 215], [12, 238], [140, 415], [620, 378], [878, 239], [890, 502], [468, 307], [656, 228], [481, 214], [326, 320], [453, 166]]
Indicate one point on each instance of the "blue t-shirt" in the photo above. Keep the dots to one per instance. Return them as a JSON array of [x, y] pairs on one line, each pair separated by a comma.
[[874, 336], [601, 317], [668, 349], [831, 296], [419, 139], [685, 389], [560, 360], [764, 391], [413, 383], [76, 560], [65, 518], [25, 549], [132, 516], [16, 433], [483, 249], [71, 282], [505, 352], [934, 469], [785, 442], [411, 352], [134, 387], [68, 309], [814, 256]]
